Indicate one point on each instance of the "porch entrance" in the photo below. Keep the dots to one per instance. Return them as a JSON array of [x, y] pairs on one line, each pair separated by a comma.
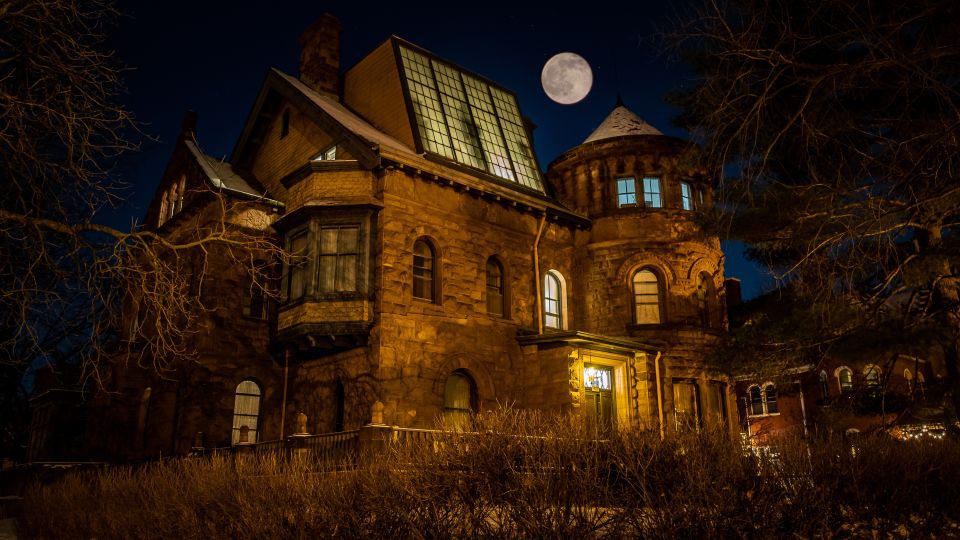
[[600, 404]]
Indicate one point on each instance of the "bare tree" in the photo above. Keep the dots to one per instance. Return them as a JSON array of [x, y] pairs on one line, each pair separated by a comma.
[[838, 125], [69, 285]]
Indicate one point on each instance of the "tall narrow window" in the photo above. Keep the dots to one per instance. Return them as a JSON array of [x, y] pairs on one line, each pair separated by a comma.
[[626, 192], [845, 378], [646, 297], [686, 406], [763, 400], [458, 401], [285, 124], [716, 403], [494, 287], [338, 259], [423, 271], [704, 295], [651, 192], [686, 196], [180, 193], [824, 385], [246, 411], [770, 398], [163, 209], [756, 401], [908, 377], [296, 282], [254, 303], [552, 301]]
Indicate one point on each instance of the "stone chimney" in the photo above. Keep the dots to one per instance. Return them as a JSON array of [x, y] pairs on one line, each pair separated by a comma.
[[320, 55]]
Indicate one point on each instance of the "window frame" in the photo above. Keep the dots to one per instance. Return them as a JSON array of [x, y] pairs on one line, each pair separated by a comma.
[[655, 200], [460, 418], [256, 429], [431, 282], [302, 266], [338, 256], [621, 193], [500, 290], [844, 387], [561, 302], [697, 413], [686, 196], [635, 295], [765, 400]]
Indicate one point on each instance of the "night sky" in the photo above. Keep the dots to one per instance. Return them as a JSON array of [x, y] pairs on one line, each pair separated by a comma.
[[212, 56]]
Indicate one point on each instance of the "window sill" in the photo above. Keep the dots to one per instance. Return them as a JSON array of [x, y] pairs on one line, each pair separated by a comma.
[[764, 415]]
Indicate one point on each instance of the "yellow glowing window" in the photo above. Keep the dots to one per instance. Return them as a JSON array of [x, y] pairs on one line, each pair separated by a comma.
[[463, 118]]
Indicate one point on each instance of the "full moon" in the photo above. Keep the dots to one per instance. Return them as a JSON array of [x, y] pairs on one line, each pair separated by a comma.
[[566, 78]]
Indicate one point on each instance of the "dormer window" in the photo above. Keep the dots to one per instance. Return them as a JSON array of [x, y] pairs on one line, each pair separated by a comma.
[[329, 154], [626, 192]]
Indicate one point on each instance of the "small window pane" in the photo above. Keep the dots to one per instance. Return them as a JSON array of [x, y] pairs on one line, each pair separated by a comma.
[[771, 392], [494, 288], [552, 301]]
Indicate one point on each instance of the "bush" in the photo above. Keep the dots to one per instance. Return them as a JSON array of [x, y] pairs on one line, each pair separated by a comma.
[[522, 475]]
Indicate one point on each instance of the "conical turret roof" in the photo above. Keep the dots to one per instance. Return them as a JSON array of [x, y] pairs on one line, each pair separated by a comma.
[[621, 121]]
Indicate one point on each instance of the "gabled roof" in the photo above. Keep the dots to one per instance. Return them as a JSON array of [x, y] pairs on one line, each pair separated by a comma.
[[222, 176], [621, 121]]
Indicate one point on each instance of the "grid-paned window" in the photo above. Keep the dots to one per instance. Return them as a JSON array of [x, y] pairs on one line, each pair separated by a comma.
[[246, 411], [296, 278], [756, 401], [763, 400], [338, 258], [465, 119], [494, 288], [646, 297], [686, 196], [552, 301], [651, 192], [626, 192], [845, 378], [423, 270]]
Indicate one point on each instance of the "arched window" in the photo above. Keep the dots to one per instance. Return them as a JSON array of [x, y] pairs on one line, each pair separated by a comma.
[[553, 302], [459, 401], [907, 376], [495, 296], [704, 297], [246, 411], [871, 375], [845, 379], [824, 385], [763, 400], [920, 382], [163, 209], [424, 271], [646, 297]]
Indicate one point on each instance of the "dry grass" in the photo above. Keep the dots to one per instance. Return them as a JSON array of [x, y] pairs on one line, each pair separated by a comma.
[[523, 476]]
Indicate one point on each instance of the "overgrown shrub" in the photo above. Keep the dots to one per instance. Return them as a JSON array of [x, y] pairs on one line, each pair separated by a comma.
[[523, 475]]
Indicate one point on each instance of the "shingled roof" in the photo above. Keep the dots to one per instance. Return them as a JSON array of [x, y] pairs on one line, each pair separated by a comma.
[[621, 121]]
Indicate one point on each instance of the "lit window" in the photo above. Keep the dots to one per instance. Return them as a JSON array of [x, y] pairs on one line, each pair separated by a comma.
[[646, 297], [246, 411], [651, 192], [596, 378], [459, 401], [297, 270], [552, 301], [423, 271], [338, 258], [763, 400], [686, 404], [329, 154], [908, 377], [494, 288], [626, 192], [466, 119], [871, 375], [845, 378], [686, 196]]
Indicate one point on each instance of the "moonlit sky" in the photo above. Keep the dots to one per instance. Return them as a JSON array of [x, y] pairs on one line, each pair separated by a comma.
[[212, 56]]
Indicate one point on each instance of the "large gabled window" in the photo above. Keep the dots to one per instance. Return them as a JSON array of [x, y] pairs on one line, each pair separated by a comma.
[[468, 120]]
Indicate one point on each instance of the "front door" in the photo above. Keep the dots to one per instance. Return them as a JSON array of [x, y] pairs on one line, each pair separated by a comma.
[[598, 382]]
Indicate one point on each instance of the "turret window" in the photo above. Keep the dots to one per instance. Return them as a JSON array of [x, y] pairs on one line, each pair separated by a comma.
[[651, 192], [686, 196], [626, 192]]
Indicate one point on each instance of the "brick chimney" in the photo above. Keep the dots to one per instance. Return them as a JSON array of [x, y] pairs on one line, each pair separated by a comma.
[[320, 55]]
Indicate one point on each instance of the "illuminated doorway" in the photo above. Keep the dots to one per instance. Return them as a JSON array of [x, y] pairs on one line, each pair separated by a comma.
[[600, 403]]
